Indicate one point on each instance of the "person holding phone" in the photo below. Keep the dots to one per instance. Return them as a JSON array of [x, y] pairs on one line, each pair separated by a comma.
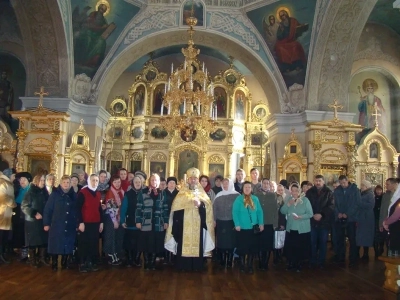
[[298, 210]]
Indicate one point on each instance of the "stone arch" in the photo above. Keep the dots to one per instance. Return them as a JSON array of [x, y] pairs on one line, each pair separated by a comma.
[[45, 46], [208, 38], [330, 70]]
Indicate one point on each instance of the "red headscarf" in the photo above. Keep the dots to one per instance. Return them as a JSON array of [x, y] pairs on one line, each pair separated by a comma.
[[124, 183]]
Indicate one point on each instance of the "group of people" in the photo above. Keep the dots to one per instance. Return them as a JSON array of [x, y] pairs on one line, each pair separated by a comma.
[[141, 220]]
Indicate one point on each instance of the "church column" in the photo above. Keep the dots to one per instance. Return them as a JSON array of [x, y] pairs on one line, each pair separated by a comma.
[[21, 150], [171, 165], [316, 164], [127, 160], [146, 168], [228, 165], [351, 162], [56, 136], [203, 162]]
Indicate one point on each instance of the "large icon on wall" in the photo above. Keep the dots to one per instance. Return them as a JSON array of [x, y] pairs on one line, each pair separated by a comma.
[[221, 102], [158, 168], [198, 11], [158, 100], [366, 106], [240, 101], [286, 28], [96, 27], [138, 101], [187, 159]]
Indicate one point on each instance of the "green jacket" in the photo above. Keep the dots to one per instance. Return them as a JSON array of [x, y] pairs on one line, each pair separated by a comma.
[[303, 210], [241, 214]]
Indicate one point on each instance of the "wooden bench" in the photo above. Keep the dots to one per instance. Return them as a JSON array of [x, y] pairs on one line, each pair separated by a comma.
[[392, 273]]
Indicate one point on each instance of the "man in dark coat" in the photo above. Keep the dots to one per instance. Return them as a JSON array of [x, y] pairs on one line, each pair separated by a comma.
[[60, 219], [321, 199], [347, 198]]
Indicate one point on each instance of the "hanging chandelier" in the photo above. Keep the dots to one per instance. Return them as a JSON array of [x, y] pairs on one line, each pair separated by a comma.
[[188, 106]]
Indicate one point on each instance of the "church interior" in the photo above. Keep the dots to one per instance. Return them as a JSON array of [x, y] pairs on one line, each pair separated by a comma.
[[292, 88]]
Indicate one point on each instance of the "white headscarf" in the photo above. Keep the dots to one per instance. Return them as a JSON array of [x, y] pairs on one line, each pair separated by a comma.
[[89, 184], [230, 191], [395, 197]]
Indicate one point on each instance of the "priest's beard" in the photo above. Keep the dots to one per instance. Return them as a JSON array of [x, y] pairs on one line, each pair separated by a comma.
[[192, 186], [371, 99]]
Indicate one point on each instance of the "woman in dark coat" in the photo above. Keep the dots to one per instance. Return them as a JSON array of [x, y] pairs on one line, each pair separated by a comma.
[[366, 220], [380, 237], [152, 220], [33, 206], [270, 207], [60, 220], [113, 234], [127, 216]]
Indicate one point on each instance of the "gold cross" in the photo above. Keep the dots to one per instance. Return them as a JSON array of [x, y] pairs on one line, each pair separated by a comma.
[[376, 115], [293, 135], [335, 107], [41, 94]]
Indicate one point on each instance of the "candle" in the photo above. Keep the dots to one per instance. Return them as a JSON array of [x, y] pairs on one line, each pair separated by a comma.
[[169, 108], [184, 106], [179, 82], [204, 84], [172, 68], [198, 107], [216, 113], [184, 67], [169, 84], [185, 178], [165, 89], [211, 110], [203, 66], [162, 108]]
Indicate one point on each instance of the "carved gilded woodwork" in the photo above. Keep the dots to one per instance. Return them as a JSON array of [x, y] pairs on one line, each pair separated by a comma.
[[158, 156], [293, 162], [78, 154], [41, 133], [216, 159]]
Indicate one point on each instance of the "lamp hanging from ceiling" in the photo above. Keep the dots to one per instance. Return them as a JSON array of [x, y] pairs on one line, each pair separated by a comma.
[[188, 108]]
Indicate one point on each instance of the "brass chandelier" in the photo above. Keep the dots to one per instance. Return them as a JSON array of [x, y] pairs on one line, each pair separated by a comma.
[[190, 109]]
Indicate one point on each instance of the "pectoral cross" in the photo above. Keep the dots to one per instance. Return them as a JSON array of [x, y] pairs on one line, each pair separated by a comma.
[[41, 94], [376, 115], [335, 107]]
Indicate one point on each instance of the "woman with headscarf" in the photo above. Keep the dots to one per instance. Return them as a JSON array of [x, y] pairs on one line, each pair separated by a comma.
[[280, 199], [7, 203], [270, 208], [298, 210], [76, 187], [59, 219], [113, 234], [90, 224], [49, 184], [82, 176], [33, 206], [123, 174], [206, 184], [103, 186], [127, 219], [152, 220], [22, 180], [392, 223], [170, 194], [225, 235], [365, 219], [247, 212]]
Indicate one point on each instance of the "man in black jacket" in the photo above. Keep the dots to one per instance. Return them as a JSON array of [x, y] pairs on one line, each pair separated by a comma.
[[321, 199], [347, 199]]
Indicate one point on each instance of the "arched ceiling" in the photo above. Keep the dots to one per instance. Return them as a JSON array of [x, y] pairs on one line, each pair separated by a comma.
[[176, 50], [384, 13]]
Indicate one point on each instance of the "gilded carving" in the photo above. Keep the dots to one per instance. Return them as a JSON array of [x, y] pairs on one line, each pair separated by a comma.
[[137, 156], [158, 156], [333, 156], [114, 156], [39, 145], [332, 137], [215, 159]]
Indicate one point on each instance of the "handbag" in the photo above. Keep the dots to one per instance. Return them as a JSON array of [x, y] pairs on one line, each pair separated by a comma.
[[279, 239], [256, 227]]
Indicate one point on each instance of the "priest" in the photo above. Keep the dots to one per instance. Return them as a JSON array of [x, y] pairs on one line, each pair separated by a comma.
[[191, 236]]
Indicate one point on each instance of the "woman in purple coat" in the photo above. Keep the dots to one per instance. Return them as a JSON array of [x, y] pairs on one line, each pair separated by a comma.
[[60, 219]]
